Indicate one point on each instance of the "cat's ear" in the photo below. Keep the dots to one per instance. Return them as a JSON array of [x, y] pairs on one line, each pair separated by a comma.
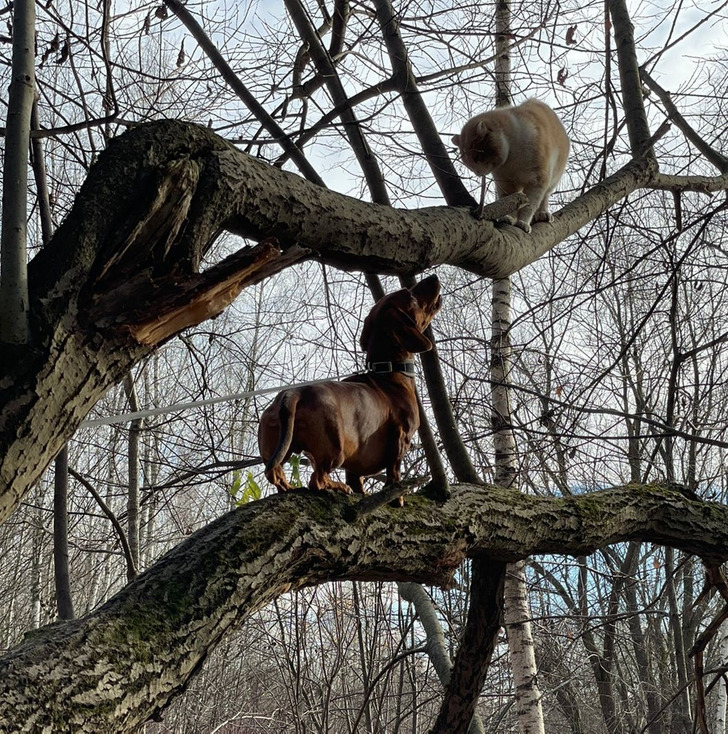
[[456, 139], [481, 128]]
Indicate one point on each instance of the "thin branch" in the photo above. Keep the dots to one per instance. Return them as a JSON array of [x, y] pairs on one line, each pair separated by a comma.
[[391, 493], [387, 85], [131, 571], [434, 149], [699, 184], [711, 154], [370, 688], [236, 84], [325, 67]]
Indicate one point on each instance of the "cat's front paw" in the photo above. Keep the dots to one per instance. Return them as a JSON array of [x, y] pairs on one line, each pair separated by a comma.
[[524, 225], [543, 216], [506, 219]]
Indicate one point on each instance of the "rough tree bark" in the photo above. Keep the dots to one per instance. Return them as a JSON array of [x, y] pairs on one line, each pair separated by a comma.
[[111, 670]]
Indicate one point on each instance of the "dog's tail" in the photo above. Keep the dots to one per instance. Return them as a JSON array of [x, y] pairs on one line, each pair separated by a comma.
[[286, 418]]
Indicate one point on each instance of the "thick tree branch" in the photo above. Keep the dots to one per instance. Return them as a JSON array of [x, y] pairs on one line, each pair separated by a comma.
[[113, 669], [118, 277], [632, 99], [476, 648]]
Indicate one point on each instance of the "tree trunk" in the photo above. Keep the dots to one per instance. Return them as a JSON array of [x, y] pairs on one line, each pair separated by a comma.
[[14, 304], [436, 645], [516, 612], [720, 713], [517, 623], [682, 706], [64, 600], [36, 572], [132, 504], [476, 648]]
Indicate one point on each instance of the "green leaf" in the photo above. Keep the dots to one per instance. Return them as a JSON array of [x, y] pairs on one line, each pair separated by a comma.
[[296, 471], [234, 488], [252, 490]]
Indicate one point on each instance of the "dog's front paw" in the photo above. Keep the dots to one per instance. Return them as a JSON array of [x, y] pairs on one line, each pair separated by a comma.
[[339, 487]]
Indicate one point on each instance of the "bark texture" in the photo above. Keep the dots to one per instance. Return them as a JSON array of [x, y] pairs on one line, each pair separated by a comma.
[[111, 670]]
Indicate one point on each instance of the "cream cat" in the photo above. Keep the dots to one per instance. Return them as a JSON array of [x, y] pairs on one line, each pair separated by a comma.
[[524, 148]]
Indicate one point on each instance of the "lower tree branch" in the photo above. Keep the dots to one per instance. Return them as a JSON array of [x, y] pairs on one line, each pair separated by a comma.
[[113, 669]]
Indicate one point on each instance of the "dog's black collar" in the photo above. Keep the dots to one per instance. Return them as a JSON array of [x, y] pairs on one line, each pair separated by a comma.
[[381, 368]]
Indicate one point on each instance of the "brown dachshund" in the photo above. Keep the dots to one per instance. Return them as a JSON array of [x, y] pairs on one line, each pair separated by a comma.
[[364, 423]]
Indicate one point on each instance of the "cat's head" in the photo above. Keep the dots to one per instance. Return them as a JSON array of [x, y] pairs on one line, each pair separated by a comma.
[[483, 145]]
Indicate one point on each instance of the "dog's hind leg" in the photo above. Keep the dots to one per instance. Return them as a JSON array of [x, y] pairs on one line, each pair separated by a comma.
[[320, 478], [277, 477]]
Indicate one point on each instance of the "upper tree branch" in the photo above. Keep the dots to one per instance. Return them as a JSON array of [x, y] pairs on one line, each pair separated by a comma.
[[633, 103], [327, 71], [434, 149], [248, 99]]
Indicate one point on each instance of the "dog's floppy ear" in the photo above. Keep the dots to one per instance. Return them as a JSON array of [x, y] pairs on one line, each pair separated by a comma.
[[406, 334], [366, 331]]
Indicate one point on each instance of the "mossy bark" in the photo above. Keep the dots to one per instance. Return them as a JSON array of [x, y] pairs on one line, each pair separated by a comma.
[[112, 670]]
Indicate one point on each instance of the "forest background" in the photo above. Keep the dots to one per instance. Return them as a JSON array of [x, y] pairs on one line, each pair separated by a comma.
[[615, 363]]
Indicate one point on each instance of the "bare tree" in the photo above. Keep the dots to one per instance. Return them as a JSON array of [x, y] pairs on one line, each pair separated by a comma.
[[14, 279], [623, 441]]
